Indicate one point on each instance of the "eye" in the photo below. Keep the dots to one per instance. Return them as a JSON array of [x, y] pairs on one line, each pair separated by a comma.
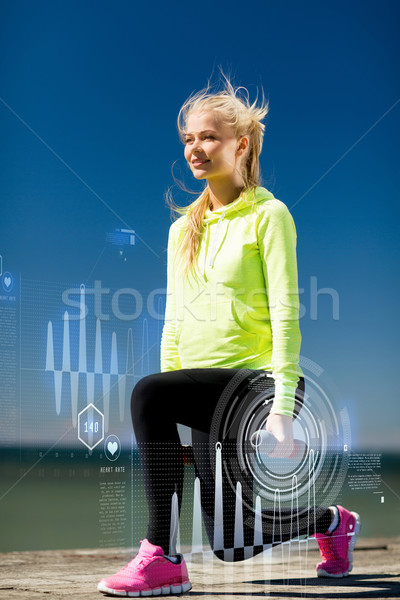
[[210, 137]]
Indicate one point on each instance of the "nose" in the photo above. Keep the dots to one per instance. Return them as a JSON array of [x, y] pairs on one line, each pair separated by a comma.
[[197, 148], [196, 145]]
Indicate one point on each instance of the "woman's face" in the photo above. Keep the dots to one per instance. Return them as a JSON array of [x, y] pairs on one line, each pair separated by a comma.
[[210, 147]]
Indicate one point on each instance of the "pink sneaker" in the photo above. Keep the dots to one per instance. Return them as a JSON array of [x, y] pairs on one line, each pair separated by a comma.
[[336, 548], [150, 573]]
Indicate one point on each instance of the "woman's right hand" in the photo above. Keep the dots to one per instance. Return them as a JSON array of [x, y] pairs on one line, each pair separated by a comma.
[[281, 427]]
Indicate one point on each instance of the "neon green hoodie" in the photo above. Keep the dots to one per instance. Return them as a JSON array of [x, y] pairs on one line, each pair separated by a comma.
[[242, 311]]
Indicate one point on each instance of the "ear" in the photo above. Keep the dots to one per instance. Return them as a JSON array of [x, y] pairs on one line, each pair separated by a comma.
[[243, 144]]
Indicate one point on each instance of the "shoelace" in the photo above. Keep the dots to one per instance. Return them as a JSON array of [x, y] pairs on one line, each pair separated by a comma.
[[327, 548], [137, 562]]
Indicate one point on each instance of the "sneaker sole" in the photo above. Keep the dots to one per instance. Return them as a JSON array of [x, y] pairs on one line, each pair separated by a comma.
[[166, 590], [357, 528]]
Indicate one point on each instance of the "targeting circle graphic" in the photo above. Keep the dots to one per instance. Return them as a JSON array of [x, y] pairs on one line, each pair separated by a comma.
[[314, 476]]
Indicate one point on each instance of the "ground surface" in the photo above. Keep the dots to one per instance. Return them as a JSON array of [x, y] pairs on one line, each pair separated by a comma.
[[288, 573]]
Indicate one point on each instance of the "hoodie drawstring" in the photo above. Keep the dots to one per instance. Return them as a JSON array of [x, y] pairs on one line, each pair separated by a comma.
[[214, 246], [203, 267]]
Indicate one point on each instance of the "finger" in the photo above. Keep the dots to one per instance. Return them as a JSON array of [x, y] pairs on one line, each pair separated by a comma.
[[282, 450]]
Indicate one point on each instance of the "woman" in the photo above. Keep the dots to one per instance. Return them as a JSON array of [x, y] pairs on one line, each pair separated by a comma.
[[232, 303]]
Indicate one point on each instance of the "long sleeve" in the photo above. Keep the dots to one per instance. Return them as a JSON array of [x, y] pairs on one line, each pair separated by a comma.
[[277, 243], [170, 360]]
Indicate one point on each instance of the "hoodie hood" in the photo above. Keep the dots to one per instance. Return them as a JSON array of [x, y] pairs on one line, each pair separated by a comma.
[[216, 222], [246, 201]]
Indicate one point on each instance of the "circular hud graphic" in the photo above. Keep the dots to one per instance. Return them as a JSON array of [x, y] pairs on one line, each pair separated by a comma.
[[315, 475]]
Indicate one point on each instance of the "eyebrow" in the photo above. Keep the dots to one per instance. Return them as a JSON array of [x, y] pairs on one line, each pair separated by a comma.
[[200, 132]]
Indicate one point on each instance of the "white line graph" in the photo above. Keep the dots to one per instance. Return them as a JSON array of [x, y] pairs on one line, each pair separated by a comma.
[[113, 376]]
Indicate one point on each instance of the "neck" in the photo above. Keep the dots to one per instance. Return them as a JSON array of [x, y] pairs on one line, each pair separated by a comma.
[[223, 193]]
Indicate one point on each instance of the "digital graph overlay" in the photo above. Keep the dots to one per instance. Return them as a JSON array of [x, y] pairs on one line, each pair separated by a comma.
[[66, 378], [222, 516]]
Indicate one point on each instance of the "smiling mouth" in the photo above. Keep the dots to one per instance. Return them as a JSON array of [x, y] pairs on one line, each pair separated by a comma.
[[199, 162]]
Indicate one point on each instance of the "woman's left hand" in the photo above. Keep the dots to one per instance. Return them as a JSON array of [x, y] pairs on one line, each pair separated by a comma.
[[281, 427]]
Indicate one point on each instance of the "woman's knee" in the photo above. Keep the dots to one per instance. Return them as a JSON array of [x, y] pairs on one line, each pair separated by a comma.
[[145, 396]]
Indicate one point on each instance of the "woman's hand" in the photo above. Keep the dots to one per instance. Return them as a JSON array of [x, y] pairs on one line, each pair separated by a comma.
[[281, 427]]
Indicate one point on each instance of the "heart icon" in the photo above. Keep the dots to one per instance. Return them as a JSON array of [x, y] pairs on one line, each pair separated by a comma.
[[7, 281], [112, 447]]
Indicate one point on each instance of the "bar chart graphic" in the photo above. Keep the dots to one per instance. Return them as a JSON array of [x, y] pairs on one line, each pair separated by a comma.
[[260, 542]]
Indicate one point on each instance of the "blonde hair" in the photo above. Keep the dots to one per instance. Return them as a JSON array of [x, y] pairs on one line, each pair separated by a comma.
[[234, 110]]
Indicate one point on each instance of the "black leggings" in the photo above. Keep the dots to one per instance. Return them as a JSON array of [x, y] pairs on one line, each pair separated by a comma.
[[189, 397]]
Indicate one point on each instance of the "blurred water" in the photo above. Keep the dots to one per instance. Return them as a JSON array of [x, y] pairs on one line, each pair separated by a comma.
[[65, 500]]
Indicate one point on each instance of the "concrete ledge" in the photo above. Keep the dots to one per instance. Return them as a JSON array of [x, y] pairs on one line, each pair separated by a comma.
[[287, 572]]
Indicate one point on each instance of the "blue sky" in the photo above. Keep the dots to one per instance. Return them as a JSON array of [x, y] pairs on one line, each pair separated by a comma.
[[89, 96]]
